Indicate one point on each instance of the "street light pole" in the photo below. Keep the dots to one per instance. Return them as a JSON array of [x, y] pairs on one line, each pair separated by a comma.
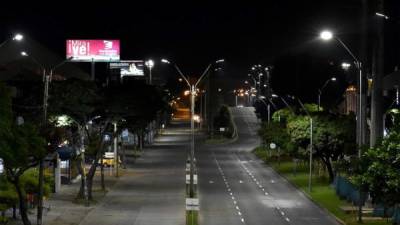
[[327, 35], [46, 79], [150, 64], [192, 88]]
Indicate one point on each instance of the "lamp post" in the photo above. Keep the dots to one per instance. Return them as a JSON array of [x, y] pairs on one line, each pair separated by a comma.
[[46, 79], [192, 88], [321, 89], [327, 35], [150, 64]]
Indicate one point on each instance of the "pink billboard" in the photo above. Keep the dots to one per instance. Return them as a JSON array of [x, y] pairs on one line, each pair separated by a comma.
[[93, 50]]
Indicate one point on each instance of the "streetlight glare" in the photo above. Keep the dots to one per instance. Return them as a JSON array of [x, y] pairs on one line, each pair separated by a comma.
[[333, 79], [165, 61], [18, 37], [24, 53], [382, 15], [326, 35], [220, 61], [149, 63], [346, 66]]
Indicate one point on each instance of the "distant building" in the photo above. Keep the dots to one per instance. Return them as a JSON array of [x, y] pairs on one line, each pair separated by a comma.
[[349, 104]]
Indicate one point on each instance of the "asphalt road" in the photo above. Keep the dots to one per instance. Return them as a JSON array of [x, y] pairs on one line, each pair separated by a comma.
[[152, 190], [236, 188]]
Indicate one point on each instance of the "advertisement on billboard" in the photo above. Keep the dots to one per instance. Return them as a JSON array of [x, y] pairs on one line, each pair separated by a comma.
[[93, 50], [129, 67]]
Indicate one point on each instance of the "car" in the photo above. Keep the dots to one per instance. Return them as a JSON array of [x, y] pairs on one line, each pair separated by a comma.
[[108, 159]]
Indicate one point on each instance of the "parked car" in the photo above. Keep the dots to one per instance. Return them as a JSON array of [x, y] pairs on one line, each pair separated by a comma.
[[108, 159]]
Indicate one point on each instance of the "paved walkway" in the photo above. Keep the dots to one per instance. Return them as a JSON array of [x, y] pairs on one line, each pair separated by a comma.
[[150, 191]]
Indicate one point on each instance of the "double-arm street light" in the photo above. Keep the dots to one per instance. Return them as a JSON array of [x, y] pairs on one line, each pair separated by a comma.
[[322, 88], [193, 88], [46, 79]]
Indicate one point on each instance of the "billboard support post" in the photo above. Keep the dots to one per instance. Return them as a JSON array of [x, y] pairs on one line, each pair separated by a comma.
[[93, 70]]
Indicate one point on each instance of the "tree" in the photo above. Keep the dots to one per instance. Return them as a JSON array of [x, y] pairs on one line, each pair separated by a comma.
[[21, 148], [380, 168], [276, 132], [76, 100], [333, 136]]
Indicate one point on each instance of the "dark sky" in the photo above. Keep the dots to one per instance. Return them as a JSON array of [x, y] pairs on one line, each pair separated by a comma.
[[195, 33]]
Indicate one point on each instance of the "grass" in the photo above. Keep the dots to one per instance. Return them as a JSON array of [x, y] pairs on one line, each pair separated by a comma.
[[322, 192], [192, 218]]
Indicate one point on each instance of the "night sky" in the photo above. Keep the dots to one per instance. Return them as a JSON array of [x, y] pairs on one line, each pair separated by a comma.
[[280, 33]]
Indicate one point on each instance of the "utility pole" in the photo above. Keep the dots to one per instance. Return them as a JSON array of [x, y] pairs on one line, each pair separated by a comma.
[[377, 74]]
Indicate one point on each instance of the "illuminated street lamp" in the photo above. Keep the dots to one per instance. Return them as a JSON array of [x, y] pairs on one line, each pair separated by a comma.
[[150, 64], [333, 79], [346, 66], [382, 15], [16, 37], [327, 35]]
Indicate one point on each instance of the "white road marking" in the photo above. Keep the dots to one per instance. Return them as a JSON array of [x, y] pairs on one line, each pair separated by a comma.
[[211, 182], [287, 219], [241, 182]]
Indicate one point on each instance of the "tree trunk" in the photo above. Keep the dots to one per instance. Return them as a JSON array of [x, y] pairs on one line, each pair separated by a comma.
[[90, 177], [81, 193], [124, 156], [103, 184], [328, 165], [22, 203]]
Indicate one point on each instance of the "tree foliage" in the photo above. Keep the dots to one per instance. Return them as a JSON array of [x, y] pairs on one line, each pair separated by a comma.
[[380, 171], [21, 148]]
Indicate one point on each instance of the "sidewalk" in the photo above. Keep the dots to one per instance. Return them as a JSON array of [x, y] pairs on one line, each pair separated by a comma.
[[151, 191], [63, 208]]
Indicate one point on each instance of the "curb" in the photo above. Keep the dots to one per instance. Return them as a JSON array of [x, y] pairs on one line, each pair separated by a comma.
[[305, 194]]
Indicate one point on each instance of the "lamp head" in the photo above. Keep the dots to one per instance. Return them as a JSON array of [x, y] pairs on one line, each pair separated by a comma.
[[326, 35], [18, 37]]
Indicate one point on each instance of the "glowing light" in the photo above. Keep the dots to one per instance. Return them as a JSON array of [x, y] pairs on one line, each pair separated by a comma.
[[326, 35]]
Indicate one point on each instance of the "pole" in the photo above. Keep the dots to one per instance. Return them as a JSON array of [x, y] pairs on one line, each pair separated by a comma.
[[115, 150], [361, 135], [41, 162], [236, 100], [150, 75], [93, 70], [269, 112], [193, 92], [319, 100], [311, 155]]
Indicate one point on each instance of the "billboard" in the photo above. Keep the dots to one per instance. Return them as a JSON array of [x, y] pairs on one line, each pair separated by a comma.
[[129, 67], [93, 50]]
